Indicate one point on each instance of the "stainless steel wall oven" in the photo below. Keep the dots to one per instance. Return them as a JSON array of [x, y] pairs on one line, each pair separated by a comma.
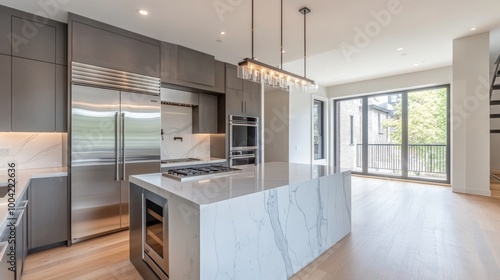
[[243, 140], [155, 233]]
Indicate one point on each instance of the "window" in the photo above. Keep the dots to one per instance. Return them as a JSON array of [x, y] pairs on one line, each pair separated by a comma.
[[400, 134], [319, 137]]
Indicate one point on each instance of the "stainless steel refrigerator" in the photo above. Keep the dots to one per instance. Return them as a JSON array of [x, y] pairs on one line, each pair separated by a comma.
[[114, 134]]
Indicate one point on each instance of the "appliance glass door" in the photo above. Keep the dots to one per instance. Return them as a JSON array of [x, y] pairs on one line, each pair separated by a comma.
[[155, 233], [95, 186], [243, 136], [154, 227], [141, 125]]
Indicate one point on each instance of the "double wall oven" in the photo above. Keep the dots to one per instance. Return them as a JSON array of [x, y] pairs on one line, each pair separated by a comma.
[[243, 140], [155, 233]]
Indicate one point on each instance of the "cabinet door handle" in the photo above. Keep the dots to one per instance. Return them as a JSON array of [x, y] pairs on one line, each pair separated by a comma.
[[245, 106], [242, 107], [117, 148]]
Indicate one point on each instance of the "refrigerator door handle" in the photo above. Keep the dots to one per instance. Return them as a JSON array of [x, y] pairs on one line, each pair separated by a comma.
[[123, 146], [117, 149]]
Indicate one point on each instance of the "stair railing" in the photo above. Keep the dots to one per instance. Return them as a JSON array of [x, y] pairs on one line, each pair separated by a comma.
[[495, 74]]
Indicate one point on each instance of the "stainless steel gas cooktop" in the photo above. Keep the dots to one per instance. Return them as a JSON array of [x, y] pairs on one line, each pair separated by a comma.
[[179, 160], [199, 172]]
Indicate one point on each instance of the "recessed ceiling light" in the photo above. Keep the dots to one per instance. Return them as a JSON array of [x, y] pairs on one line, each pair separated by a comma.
[[143, 12], [473, 29], [341, 74], [222, 33], [218, 41], [404, 54], [400, 49], [416, 64]]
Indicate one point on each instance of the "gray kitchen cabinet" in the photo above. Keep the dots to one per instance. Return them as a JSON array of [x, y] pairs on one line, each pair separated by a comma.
[[33, 95], [33, 40], [105, 46], [234, 102], [205, 114], [187, 68], [5, 29], [196, 67], [48, 211], [5, 93], [251, 98], [232, 80], [245, 101], [33, 82], [61, 98]]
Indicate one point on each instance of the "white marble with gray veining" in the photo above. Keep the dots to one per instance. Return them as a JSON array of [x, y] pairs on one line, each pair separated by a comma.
[[265, 223], [177, 121], [31, 150]]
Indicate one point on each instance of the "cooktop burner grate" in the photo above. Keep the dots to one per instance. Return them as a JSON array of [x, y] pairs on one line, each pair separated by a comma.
[[199, 173]]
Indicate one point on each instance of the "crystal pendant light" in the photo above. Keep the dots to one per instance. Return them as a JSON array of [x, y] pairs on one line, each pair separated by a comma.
[[256, 71]]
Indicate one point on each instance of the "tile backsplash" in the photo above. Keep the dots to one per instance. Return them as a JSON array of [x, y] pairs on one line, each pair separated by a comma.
[[31, 150], [177, 121]]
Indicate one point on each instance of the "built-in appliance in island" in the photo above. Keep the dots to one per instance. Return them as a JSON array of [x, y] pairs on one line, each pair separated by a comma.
[[155, 232], [266, 222]]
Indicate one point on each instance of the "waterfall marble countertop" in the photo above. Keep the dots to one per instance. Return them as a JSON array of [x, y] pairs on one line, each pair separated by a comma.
[[253, 179], [208, 160], [267, 222], [23, 179]]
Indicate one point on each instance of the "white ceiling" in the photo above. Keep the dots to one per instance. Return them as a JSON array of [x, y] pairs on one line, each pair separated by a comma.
[[423, 28]]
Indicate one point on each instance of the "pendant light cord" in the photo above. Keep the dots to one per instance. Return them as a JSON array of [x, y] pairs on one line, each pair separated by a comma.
[[305, 46], [281, 64], [252, 28]]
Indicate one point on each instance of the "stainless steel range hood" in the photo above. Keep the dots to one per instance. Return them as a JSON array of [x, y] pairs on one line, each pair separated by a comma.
[[178, 98]]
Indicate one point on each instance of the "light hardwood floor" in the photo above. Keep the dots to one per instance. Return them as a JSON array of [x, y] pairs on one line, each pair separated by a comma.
[[399, 231]]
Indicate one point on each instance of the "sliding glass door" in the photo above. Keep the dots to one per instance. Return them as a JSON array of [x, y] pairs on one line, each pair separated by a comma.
[[403, 134], [428, 133], [384, 138]]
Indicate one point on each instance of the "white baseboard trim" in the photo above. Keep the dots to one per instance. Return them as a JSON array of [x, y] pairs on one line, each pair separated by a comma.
[[471, 191]]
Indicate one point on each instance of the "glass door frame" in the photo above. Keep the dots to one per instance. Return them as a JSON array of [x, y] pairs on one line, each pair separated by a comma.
[[404, 136]]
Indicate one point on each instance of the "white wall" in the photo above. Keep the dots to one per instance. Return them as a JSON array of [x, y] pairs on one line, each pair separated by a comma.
[[438, 76], [300, 128], [470, 115]]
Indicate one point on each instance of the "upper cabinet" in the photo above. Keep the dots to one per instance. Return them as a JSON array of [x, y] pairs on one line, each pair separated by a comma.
[[33, 98], [33, 41], [205, 114], [5, 92], [195, 67], [242, 97], [184, 67], [102, 45], [5, 30], [33, 59]]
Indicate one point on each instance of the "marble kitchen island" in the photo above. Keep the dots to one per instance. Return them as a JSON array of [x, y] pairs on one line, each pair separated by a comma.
[[267, 222]]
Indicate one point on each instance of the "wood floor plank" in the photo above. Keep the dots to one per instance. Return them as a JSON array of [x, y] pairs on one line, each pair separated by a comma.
[[400, 230]]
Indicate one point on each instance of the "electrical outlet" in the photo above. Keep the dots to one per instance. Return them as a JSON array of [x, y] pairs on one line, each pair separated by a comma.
[[4, 151]]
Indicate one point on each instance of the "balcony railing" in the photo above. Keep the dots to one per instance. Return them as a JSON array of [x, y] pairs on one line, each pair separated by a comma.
[[422, 158]]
